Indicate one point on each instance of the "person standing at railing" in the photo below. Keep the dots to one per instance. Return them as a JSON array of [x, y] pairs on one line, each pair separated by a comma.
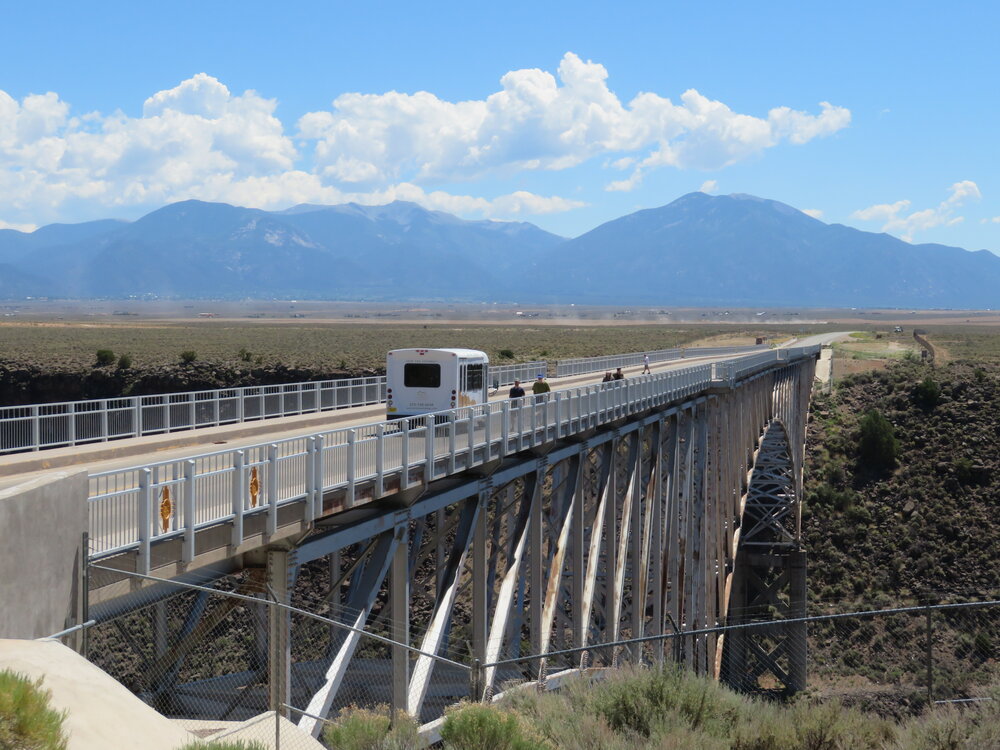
[[540, 388], [516, 390], [619, 375], [607, 377]]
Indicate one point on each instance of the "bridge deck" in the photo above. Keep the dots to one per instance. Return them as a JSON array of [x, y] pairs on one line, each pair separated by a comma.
[[118, 454]]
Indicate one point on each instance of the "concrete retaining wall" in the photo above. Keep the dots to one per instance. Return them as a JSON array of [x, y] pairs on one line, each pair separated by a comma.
[[41, 554]]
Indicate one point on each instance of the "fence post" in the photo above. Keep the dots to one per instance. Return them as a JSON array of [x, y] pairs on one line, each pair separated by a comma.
[[476, 681], [930, 657]]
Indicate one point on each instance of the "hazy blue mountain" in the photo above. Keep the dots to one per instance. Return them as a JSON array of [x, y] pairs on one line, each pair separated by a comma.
[[741, 250], [17, 283], [203, 249], [14, 244], [734, 250]]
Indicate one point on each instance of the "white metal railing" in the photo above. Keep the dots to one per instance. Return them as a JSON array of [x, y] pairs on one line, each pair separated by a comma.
[[582, 365], [40, 426], [132, 508]]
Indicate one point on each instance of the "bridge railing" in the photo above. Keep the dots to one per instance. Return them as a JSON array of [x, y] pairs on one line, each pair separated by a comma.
[[582, 365], [68, 423], [132, 508]]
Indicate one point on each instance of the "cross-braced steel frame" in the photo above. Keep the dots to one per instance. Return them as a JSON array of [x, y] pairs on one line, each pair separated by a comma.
[[615, 534]]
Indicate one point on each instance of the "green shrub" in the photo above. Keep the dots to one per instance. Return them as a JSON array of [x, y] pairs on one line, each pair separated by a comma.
[[506, 354], [477, 726], [245, 355], [26, 718], [362, 729], [105, 357], [927, 393], [124, 362], [877, 445], [188, 356]]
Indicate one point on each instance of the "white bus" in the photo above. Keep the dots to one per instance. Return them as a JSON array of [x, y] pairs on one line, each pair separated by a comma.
[[420, 381]]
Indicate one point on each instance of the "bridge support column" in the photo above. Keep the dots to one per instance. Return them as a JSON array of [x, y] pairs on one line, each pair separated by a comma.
[[797, 635], [399, 584], [279, 581]]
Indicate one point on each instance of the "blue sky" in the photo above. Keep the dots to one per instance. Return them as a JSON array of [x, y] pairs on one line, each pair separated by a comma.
[[883, 116]]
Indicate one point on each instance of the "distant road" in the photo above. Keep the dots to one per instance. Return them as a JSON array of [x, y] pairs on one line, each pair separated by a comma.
[[822, 339]]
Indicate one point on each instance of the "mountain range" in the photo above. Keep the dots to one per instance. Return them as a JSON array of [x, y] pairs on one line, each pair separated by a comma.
[[733, 250]]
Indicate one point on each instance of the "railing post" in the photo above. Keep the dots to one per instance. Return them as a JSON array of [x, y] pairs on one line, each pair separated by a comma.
[[137, 415], [429, 431], [272, 489], [191, 410], [452, 427], [143, 520], [472, 436], [404, 452], [35, 429], [310, 478], [380, 459], [72, 425], [504, 428], [239, 492], [187, 551], [104, 420], [352, 459], [319, 478], [487, 434]]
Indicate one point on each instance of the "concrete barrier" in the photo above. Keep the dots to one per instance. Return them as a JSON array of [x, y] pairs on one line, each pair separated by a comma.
[[42, 523]]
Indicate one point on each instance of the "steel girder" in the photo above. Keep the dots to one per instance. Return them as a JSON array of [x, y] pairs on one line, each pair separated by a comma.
[[632, 532]]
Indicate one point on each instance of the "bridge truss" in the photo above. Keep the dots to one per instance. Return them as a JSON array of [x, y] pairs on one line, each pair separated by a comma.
[[639, 527]]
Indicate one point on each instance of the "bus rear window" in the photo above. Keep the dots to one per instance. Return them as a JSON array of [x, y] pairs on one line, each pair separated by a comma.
[[474, 378], [422, 375]]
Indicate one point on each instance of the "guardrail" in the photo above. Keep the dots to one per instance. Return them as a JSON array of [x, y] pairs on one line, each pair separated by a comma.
[[68, 423], [132, 508], [582, 365]]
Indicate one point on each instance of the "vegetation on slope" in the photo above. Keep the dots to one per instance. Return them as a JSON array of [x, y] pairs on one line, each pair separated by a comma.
[[902, 488], [668, 709], [27, 721]]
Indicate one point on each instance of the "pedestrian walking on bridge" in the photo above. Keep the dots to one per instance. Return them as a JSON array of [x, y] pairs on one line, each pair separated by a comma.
[[516, 391]]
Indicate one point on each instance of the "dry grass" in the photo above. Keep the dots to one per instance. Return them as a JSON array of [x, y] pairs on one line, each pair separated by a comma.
[[354, 346]]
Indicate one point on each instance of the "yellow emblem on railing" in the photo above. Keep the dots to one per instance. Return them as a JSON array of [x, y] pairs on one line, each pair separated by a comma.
[[254, 486], [166, 509]]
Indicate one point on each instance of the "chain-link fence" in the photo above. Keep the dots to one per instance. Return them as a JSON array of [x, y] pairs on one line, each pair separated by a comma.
[[219, 655]]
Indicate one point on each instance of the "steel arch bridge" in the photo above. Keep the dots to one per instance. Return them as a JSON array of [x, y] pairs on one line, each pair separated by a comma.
[[678, 515]]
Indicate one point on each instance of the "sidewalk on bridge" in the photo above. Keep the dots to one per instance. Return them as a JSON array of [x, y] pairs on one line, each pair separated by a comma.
[[117, 454]]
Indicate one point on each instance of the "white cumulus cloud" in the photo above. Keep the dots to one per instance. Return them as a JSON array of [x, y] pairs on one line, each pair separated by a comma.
[[538, 120], [18, 227], [201, 140], [709, 186], [897, 218], [816, 213]]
